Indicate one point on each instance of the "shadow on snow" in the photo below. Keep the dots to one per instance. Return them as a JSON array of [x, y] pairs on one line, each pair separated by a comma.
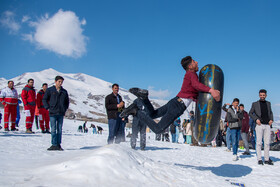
[[225, 170]]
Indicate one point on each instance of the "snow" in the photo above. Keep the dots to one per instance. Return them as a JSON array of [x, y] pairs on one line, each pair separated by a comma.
[[87, 160]]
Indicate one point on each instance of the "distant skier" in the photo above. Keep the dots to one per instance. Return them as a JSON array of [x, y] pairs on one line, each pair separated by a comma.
[[9, 98], [176, 106]]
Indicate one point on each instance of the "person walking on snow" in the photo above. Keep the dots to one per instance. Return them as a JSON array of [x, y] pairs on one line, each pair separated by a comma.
[[28, 96], [9, 98]]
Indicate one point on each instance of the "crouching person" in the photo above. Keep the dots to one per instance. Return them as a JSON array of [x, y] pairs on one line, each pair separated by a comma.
[[56, 100], [138, 126]]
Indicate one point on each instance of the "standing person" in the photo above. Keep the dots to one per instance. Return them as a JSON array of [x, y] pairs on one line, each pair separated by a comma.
[[56, 100], [189, 132], [184, 132], [9, 98], [138, 126], [234, 118], [165, 135], [114, 105], [192, 121], [37, 114], [177, 123], [18, 113], [44, 117], [253, 136], [262, 114], [245, 129], [0, 120], [93, 129], [28, 96], [85, 126], [227, 129], [173, 132], [176, 106]]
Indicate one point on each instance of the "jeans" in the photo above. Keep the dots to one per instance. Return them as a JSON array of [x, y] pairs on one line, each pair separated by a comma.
[[56, 129], [235, 133], [169, 112], [173, 138], [189, 139], [244, 137], [115, 132], [228, 138]]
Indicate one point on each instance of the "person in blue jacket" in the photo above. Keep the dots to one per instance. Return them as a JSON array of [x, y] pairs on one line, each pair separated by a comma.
[[18, 112]]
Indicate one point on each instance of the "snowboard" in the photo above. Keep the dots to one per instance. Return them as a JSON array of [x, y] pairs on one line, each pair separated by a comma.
[[208, 110]]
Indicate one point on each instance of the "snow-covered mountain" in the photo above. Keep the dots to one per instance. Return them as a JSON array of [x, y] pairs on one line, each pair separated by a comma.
[[87, 93]]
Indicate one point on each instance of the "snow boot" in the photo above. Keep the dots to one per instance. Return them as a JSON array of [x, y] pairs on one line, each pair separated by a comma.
[[47, 131], [60, 148], [14, 129], [131, 110], [269, 162], [53, 148], [140, 93], [6, 129], [29, 131], [260, 162]]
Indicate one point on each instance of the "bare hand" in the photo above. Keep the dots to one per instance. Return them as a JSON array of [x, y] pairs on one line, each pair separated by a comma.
[[258, 122], [120, 105], [270, 122], [216, 94]]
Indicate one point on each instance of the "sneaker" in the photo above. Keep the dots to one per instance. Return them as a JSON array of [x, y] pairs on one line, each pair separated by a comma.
[[6, 129], [269, 162], [246, 153], [43, 132], [29, 131], [131, 110], [140, 93], [235, 158], [228, 150], [60, 148], [14, 129], [260, 162], [53, 148]]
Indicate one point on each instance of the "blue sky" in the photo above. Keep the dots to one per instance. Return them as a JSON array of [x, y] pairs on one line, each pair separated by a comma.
[[141, 43]]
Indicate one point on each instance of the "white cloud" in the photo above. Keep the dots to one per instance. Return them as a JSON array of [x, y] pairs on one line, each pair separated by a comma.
[[160, 94], [61, 33], [25, 19], [8, 20]]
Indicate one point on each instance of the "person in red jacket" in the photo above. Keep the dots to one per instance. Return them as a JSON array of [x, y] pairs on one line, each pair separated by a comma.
[[245, 129], [9, 98], [28, 96], [176, 106], [44, 117]]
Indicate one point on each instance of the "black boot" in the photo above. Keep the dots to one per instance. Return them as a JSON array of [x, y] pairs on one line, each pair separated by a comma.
[[140, 93], [131, 110], [53, 148]]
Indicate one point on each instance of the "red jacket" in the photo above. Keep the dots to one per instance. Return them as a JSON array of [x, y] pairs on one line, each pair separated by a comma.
[[28, 96], [245, 122], [39, 99], [191, 86]]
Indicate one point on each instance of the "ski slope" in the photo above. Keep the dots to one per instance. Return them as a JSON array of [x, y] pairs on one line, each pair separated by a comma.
[[88, 161]]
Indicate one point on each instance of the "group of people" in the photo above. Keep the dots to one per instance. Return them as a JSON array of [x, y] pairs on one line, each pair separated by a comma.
[[260, 112], [51, 104], [95, 129], [257, 125]]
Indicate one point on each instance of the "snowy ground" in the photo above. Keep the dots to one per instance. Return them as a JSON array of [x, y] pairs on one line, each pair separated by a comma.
[[88, 161]]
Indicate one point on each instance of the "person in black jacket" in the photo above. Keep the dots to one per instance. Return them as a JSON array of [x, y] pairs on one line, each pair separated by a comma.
[[56, 100], [114, 106]]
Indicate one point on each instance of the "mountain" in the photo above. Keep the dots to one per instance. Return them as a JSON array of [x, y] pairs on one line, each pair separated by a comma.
[[87, 93]]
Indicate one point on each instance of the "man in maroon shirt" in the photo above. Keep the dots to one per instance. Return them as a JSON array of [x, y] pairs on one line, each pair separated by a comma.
[[176, 106]]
